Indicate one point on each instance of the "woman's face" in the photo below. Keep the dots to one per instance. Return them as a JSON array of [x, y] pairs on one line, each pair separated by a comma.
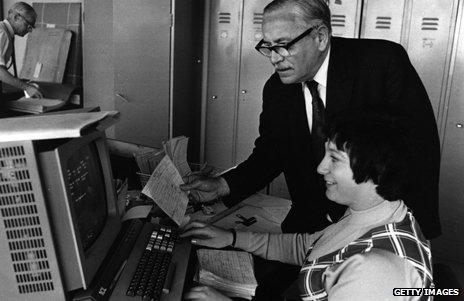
[[338, 176]]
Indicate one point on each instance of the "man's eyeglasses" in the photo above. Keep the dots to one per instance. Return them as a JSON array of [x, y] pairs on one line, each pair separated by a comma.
[[30, 25], [281, 49]]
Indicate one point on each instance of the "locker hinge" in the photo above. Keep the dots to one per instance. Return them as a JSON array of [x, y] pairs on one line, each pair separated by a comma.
[[172, 20]]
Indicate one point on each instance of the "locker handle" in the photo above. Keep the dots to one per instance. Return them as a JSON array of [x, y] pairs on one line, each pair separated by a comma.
[[244, 91], [122, 97], [459, 125], [214, 97]]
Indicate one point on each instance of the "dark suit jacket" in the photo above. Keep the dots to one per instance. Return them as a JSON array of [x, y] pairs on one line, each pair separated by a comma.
[[371, 74]]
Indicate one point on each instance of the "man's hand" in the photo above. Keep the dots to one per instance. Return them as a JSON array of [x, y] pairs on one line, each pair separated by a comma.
[[33, 90], [207, 235], [205, 293], [205, 188]]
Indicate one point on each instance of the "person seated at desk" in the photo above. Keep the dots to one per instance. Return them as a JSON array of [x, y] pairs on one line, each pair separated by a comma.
[[20, 21], [376, 246]]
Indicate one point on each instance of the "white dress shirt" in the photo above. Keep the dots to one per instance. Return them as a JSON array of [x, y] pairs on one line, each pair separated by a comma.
[[6, 43]]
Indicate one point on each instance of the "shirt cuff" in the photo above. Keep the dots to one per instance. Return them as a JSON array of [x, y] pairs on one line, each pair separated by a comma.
[[224, 189], [242, 239]]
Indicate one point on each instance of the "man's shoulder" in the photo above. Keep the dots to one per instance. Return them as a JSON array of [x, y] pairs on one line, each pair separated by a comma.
[[274, 83], [2, 27], [275, 91], [274, 80], [3, 34], [366, 47], [362, 42]]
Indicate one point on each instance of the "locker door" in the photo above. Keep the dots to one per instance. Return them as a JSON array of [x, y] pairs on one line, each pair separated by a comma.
[[345, 17], [255, 69], [141, 79], [223, 64], [450, 245], [383, 19], [429, 44]]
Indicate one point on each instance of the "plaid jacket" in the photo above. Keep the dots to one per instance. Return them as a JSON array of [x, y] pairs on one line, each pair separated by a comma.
[[403, 238]]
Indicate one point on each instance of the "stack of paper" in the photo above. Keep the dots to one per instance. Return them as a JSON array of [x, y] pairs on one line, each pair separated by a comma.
[[34, 105], [228, 271], [147, 160], [55, 97]]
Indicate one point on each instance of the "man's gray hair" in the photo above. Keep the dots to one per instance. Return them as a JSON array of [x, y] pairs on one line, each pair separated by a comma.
[[23, 9], [308, 10]]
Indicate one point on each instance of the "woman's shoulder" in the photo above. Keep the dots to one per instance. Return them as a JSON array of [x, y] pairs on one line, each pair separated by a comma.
[[370, 275], [375, 262]]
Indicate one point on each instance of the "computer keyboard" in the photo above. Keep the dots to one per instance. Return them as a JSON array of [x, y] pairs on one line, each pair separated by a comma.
[[154, 269]]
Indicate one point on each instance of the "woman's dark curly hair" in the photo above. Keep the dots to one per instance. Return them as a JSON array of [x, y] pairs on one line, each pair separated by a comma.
[[378, 148]]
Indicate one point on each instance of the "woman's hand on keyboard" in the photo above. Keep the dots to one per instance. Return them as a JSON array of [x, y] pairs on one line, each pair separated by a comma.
[[205, 293], [207, 235]]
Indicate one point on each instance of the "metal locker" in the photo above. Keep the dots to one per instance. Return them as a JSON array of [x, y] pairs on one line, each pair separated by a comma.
[[450, 245], [223, 75], [429, 44], [255, 69], [141, 70], [382, 19], [345, 17]]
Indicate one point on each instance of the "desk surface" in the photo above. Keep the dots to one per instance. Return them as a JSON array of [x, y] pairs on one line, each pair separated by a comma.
[[269, 212]]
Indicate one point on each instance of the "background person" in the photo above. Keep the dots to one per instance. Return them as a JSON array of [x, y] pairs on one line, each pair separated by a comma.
[[376, 246], [20, 21]]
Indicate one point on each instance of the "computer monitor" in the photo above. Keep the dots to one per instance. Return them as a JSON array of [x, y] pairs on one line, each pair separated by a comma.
[[58, 215], [79, 189]]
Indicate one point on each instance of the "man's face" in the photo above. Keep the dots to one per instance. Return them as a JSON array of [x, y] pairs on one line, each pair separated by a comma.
[[306, 55], [24, 24]]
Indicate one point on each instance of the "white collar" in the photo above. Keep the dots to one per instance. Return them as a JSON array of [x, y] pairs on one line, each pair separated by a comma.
[[321, 75], [9, 28]]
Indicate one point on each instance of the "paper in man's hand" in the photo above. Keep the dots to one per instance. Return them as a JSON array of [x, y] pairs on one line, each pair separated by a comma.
[[176, 149], [163, 188]]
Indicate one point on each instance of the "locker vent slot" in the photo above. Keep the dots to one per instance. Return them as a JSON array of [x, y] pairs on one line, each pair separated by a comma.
[[19, 213], [224, 18], [257, 18], [338, 20], [383, 23], [338, 2], [430, 23]]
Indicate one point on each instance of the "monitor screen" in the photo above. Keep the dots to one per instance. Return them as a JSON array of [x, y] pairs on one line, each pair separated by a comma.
[[86, 189]]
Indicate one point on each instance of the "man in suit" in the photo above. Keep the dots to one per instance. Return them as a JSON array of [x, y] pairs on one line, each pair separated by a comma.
[[316, 72]]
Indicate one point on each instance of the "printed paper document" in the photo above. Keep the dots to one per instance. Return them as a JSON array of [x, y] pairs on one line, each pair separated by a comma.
[[163, 188]]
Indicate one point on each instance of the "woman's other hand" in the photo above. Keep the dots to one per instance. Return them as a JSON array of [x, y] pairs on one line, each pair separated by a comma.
[[205, 293], [207, 235]]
